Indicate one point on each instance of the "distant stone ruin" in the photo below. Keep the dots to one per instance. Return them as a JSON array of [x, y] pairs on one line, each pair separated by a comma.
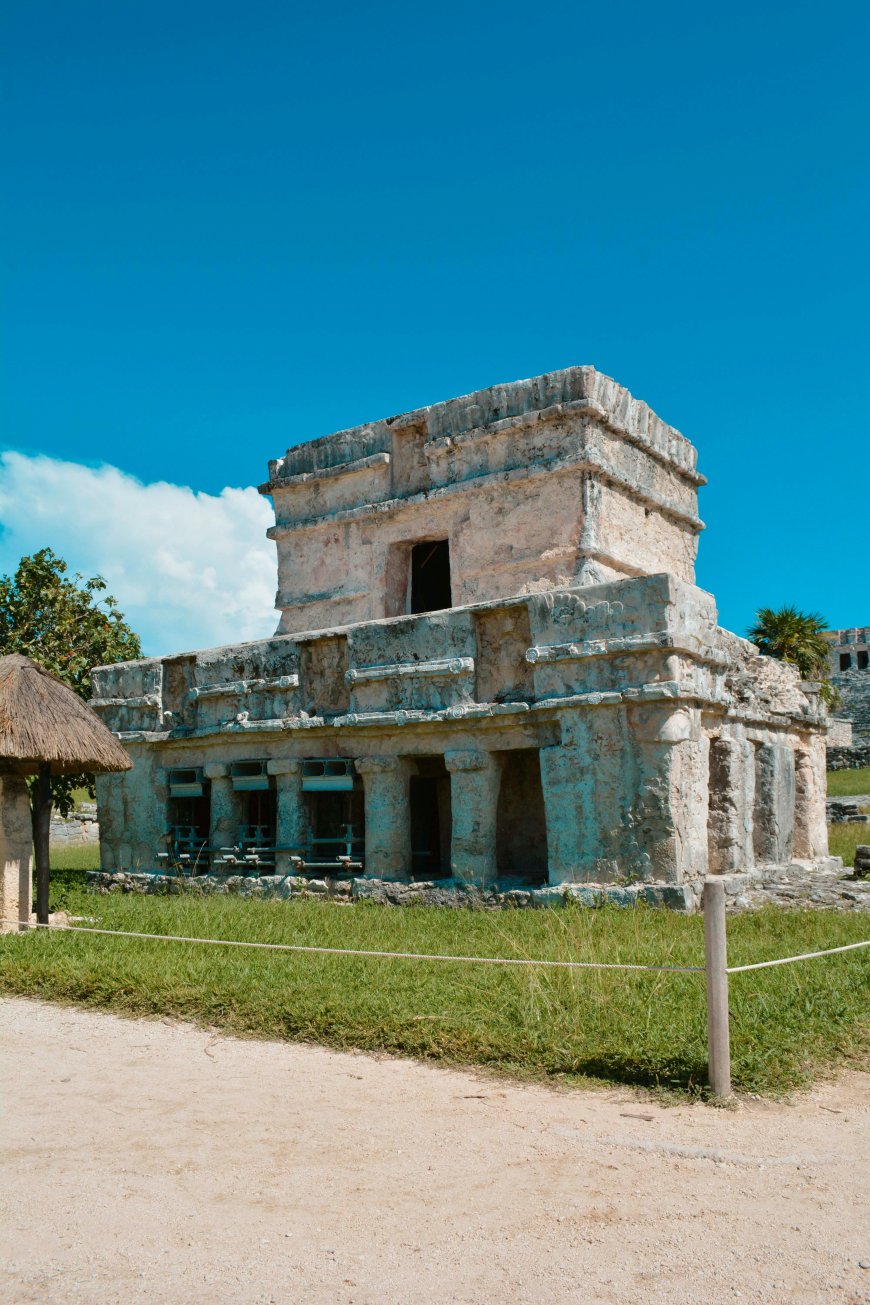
[[493, 673], [849, 745]]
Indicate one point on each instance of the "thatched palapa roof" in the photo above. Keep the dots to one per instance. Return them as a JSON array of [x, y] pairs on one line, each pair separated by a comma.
[[42, 720]]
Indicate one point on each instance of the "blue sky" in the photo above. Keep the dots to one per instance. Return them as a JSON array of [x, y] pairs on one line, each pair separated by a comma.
[[228, 228]]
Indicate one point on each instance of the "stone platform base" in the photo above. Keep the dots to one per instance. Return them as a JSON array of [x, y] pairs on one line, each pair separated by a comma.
[[442, 892], [815, 884], [800, 884]]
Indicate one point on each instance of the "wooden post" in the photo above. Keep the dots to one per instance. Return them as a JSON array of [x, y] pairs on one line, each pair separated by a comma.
[[41, 832], [715, 946]]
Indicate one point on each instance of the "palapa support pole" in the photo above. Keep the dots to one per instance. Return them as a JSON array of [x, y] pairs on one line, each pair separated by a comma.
[[716, 952], [41, 832]]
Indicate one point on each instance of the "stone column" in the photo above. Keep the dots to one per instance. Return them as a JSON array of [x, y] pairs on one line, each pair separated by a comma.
[[568, 783], [669, 813], [732, 797], [224, 804], [292, 828], [16, 850], [588, 784], [474, 784], [386, 783], [810, 817], [774, 803]]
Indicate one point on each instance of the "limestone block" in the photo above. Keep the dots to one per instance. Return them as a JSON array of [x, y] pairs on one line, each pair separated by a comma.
[[424, 661], [260, 678], [225, 807], [732, 798], [16, 851], [386, 781], [323, 667], [774, 803], [475, 777], [670, 810], [293, 829], [619, 635], [810, 815], [502, 673], [132, 811]]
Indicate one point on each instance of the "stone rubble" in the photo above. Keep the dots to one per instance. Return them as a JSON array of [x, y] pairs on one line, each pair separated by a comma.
[[849, 810], [800, 884]]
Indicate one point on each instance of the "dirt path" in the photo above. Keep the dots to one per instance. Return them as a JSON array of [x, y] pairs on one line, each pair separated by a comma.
[[169, 1165]]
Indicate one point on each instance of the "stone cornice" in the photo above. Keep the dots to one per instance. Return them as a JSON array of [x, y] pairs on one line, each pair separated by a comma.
[[499, 408], [557, 467], [304, 478], [436, 449], [237, 688], [658, 641], [437, 667], [151, 700]]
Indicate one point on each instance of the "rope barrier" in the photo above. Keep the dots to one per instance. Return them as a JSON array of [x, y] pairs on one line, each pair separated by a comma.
[[346, 951], [434, 956], [788, 960]]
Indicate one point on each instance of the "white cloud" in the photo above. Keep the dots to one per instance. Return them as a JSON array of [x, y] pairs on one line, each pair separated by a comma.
[[189, 570]]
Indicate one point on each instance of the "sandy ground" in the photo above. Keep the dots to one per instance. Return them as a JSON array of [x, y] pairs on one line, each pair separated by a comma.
[[151, 1161]]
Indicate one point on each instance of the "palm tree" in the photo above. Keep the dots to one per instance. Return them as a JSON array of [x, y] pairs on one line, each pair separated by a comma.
[[796, 637]]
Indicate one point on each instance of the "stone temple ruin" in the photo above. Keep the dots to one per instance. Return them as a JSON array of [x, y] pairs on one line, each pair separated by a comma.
[[492, 669], [849, 669]]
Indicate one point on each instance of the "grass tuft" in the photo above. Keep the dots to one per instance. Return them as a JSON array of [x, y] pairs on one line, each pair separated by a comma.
[[844, 839], [849, 783]]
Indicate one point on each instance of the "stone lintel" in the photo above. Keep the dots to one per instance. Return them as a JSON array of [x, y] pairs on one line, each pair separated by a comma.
[[467, 759], [284, 766], [376, 765], [216, 769]]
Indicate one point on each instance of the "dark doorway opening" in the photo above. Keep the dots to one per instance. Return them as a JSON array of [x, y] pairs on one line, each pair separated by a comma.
[[261, 819], [430, 576], [845, 661], [863, 661], [521, 823], [337, 824], [189, 819], [429, 799]]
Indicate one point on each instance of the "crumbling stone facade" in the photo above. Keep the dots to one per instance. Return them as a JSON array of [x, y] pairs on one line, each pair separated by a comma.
[[850, 673], [492, 667]]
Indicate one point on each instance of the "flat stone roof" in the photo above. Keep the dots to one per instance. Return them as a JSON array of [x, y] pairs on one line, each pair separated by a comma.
[[571, 390]]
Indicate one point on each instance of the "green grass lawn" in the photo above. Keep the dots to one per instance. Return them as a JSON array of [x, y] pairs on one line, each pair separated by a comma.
[[843, 839], [788, 1024], [848, 783]]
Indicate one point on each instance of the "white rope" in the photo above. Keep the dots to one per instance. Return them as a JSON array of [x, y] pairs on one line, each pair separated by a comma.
[[787, 960], [346, 951]]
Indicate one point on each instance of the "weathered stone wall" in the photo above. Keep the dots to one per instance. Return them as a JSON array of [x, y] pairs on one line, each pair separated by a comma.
[[601, 734], [576, 717], [853, 758], [562, 480], [854, 687], [850, 673], [839, 733]]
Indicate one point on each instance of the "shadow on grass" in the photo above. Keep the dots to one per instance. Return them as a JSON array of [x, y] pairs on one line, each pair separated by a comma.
[[682, 1075]]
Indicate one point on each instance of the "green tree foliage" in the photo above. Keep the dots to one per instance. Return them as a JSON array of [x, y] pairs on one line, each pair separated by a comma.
[[796, 637], [68, 624]]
